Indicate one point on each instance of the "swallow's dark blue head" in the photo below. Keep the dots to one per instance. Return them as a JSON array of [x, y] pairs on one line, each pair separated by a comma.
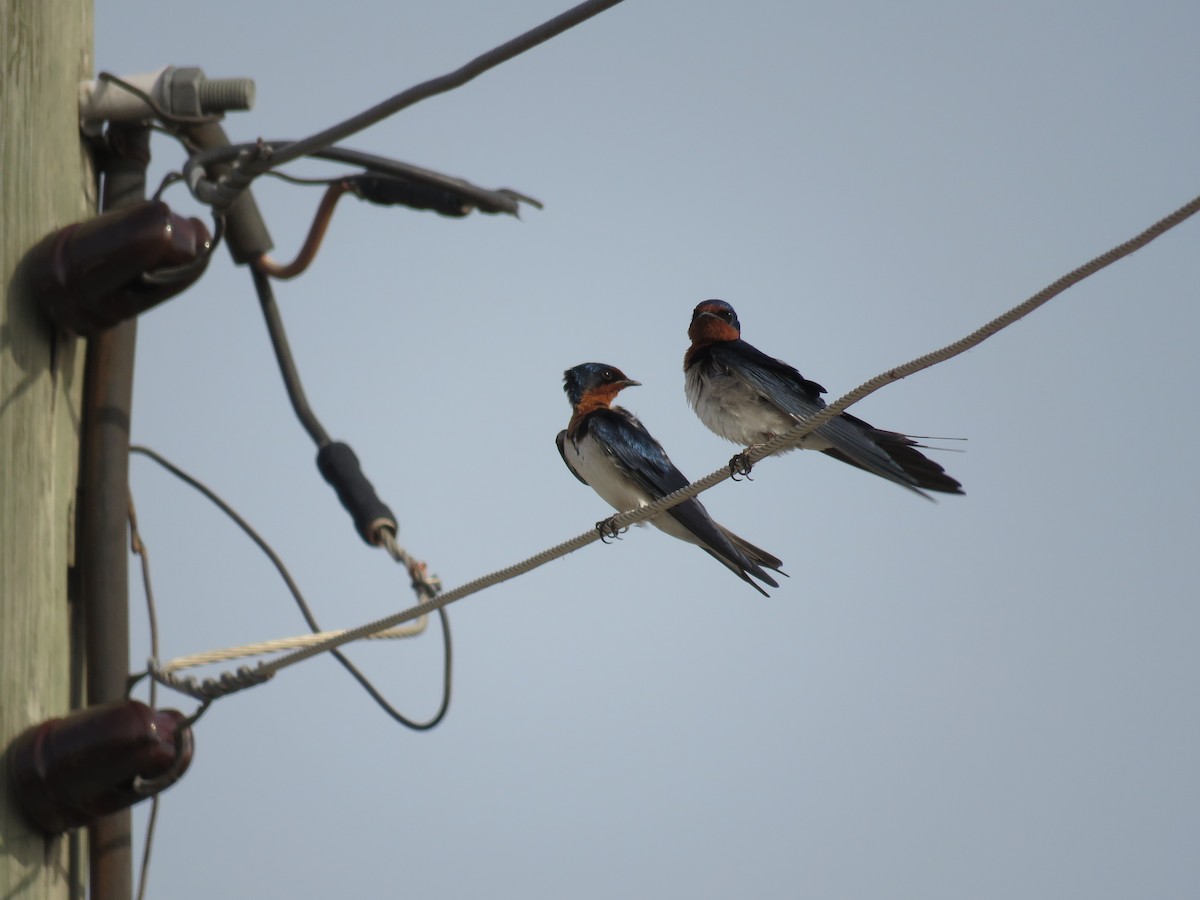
[[718, 308], [714, 320], [594, 378]]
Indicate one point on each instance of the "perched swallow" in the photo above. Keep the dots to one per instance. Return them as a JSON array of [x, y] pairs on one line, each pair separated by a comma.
[[748, 397], [609, 450]]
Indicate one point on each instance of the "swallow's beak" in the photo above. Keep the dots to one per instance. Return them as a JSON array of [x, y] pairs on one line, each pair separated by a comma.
[[629, 382]]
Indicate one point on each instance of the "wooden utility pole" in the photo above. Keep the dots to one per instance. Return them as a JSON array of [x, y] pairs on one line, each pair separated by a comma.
[[46, 182]]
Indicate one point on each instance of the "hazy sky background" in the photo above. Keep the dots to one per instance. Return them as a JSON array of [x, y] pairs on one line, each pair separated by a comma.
[[993, 696]]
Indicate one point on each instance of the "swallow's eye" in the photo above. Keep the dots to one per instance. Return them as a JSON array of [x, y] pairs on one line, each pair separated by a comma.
[[720, 312], [607, 374]]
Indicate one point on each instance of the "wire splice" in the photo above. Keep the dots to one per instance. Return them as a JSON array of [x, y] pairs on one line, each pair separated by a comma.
[[335, 460], [388, 190], [498, 200], [340, 467], [416, 188], [424, 584]]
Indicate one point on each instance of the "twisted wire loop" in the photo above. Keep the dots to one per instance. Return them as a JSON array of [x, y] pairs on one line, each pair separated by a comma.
[[320, 643], [423, 582], [247, 676], [313, 644], [435, 603]]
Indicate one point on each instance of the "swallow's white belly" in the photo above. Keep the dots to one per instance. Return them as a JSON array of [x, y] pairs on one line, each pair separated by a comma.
[[597, 468], [619, 491], [738, 412]]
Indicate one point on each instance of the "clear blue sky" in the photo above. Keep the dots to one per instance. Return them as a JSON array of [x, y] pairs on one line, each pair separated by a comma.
[[992, 696]]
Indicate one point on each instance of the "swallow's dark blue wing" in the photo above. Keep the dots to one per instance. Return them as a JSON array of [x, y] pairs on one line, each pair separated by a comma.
[[889, 454], [561, 442], [638, 454], [643, 459], [773, 378]]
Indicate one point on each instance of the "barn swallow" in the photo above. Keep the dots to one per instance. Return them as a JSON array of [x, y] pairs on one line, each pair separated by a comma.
[[609, 450], [748, 397]]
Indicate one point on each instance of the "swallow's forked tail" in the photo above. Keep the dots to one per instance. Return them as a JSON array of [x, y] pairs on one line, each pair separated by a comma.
[[753, 561], [895, 457]]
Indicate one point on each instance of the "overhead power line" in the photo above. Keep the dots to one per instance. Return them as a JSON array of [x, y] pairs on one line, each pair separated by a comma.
[[230, 682], [252, 160]]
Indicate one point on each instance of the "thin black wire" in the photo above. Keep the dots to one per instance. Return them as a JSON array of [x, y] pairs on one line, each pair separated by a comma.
[[138, 547], [151, 823], [447, 643], [169, 179], [448, 82], [287, 364], [252, 164]]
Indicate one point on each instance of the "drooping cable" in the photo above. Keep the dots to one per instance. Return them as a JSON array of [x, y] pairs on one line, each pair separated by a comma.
[[306, 610]]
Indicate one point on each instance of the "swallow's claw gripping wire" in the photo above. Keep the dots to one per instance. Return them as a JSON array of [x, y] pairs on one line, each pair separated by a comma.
[[608, 531], [739, 464]]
